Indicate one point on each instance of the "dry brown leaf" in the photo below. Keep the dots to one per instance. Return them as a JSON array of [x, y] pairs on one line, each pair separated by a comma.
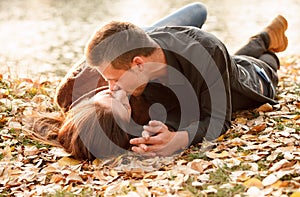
[[199, 165], [30, 151], [257, 129], [265, 108], [74, 177], [56, 178], [50, 169], [214, 155], [136, 173]]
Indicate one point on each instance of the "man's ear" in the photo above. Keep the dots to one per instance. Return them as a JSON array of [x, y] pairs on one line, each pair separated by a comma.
[[139, 62]]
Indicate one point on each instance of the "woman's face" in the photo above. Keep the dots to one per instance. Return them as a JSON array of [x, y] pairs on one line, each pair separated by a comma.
[[117, 101]]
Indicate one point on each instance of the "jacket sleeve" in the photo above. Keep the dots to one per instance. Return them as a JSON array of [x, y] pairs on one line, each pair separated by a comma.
[[80, 80], [214, 96]]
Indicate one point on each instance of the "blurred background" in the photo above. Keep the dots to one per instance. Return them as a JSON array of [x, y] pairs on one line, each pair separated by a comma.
[[48, 36]]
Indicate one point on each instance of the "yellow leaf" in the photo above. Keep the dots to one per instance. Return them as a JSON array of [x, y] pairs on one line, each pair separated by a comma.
[[221, 138], [241, 120], [97, 162], [295, 194], [297, 117], [253, 182], [113, 173], [66, 161], [277, 184]]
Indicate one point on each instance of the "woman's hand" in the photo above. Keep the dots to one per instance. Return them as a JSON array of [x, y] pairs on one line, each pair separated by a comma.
[[158, 140]]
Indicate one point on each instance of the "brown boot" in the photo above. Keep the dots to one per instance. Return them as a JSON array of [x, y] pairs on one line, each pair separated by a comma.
[[275, 30]]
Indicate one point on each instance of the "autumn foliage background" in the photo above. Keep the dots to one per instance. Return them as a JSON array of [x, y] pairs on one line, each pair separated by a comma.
[[258, 156]]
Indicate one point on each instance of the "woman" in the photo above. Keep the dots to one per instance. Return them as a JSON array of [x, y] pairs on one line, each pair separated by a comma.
[[94, 122]]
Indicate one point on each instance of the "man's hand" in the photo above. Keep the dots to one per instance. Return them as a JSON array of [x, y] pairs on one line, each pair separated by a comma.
[[158, 140]]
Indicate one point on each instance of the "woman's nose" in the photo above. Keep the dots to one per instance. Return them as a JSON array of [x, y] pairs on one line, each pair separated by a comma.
[[113, 86]]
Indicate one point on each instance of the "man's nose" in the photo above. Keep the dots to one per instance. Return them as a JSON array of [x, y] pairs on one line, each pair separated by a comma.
[[113, 85]]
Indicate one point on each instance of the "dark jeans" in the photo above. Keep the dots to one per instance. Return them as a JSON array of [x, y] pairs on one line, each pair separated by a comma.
[[257, 47]]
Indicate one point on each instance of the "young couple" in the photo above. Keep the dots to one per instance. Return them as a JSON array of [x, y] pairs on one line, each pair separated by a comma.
[[158, 90]]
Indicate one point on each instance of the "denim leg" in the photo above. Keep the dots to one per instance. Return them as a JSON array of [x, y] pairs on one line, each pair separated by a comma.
[[190, 15]]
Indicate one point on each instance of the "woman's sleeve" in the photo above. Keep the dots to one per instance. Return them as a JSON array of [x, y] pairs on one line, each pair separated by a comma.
[[80, 80]]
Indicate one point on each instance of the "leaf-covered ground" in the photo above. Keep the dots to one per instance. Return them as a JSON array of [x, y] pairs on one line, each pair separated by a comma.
[[258, 156]]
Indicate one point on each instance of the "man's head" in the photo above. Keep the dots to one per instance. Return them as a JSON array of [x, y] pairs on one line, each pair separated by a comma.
[[118, 48]]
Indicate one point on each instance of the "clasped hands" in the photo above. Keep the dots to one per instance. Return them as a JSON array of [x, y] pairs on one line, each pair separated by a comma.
[[157, 140]]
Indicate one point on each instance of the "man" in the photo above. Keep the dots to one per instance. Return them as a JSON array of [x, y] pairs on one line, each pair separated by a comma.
[[188, 76]]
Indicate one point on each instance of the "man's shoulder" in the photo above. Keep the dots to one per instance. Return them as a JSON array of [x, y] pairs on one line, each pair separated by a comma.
[[186, 33], [176, 30]]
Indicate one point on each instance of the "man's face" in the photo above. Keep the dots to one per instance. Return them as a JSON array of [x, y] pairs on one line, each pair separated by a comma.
[[130, 80]]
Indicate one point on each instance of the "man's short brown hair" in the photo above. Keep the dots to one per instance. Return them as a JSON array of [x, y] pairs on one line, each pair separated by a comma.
[[117, 43]]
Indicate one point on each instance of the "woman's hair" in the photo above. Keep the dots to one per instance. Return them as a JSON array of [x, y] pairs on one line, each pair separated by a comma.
[[88, 131]]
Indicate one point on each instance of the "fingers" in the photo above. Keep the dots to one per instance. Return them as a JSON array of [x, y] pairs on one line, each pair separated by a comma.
[[155, 123], [155, 127], [146, 135], [141, 140], [140, 150]]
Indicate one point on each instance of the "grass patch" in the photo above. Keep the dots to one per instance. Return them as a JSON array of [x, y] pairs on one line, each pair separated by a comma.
[[222, 192], [200, 155], [279, 127], [60, 193], [219, 176]]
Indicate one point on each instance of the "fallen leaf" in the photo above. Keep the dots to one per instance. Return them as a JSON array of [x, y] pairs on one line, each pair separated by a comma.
[[214, 155], [255, 192], [59, 152], [278, 165], [269, 180], [50, 169], [56, 178], [253, 182], [199, 165], [66, 161], [241, 120], [74, 177], [15, 125], [265, 108], [257, 129], [30, 150], [295, 194]]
